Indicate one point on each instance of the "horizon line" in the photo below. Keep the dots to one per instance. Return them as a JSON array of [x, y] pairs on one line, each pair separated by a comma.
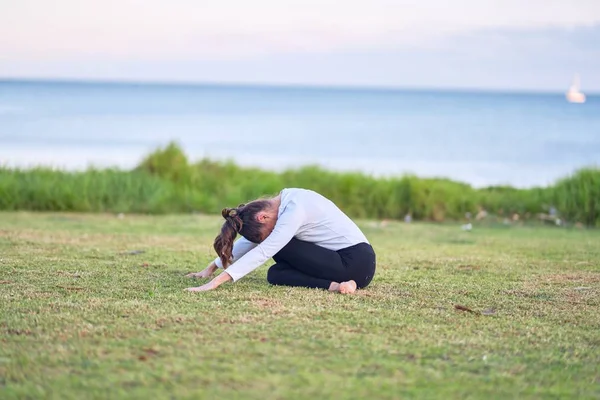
[[267, 85]]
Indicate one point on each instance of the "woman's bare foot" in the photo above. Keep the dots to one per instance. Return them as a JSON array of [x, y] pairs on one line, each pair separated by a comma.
[[344, 287], [348, 287]]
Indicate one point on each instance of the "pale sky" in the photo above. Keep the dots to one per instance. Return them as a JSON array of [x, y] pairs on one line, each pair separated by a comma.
[[495, 44]]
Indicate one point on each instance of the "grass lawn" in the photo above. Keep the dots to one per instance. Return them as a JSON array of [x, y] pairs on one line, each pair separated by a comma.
[[82, 318]]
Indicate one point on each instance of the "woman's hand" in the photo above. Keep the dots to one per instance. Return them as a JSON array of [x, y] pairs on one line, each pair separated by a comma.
[[205, 273], [203, 288], [215, 283]]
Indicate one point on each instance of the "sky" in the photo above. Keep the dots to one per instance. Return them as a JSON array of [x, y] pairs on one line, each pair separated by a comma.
[[472, 44]]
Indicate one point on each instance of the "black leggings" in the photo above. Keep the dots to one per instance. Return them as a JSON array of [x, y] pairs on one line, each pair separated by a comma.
[[305, 264]]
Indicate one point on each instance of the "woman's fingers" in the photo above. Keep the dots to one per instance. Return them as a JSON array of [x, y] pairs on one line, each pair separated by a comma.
[[202, 274], [202, 288]]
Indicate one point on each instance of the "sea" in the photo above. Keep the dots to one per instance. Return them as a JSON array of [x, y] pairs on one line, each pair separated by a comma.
[[481, 138]]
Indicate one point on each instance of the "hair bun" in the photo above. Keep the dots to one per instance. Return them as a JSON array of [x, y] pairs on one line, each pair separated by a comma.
[[229, 212]]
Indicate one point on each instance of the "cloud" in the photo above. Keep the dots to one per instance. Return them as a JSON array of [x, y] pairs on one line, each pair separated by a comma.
[[152, 29], [495, 44]]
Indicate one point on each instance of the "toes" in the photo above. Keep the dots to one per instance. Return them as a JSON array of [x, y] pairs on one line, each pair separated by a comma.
[[347, 287]]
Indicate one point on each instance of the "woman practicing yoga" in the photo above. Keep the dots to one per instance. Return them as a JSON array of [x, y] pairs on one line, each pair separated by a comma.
[[314, 244]]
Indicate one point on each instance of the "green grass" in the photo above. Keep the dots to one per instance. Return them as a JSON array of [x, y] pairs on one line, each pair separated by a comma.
[[80, 319]]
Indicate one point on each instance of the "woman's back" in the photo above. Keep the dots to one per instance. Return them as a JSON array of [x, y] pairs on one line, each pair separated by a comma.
[[323, 222]]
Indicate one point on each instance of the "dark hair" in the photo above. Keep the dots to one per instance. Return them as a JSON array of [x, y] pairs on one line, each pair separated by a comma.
[[240, 220]]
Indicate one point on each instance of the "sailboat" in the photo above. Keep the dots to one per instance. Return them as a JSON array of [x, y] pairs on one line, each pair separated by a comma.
[[573, 94]]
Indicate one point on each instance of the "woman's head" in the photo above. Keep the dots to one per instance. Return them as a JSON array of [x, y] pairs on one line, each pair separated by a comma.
[[254, 221]]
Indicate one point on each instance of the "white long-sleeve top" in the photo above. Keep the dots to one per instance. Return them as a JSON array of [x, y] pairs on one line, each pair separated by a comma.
[[305, 215]]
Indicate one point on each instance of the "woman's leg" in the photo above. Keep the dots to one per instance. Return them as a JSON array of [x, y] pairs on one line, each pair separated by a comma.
[[305, 264], [313, 260], [286, 275]]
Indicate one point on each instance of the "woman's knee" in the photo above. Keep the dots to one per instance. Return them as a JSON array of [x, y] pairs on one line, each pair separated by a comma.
[[275, 274], [364, 276], [364, 281]]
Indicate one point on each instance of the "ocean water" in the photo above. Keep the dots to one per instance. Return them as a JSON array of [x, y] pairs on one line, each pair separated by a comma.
[[479, 138]]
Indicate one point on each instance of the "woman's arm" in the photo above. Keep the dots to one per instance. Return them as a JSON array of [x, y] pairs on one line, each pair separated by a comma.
[[286, 227], [288, 224], [205, 273], [215, 283], [240, 247]]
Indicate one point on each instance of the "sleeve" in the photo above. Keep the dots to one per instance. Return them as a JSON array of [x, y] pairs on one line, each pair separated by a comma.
[[287, 225], [240, 247]]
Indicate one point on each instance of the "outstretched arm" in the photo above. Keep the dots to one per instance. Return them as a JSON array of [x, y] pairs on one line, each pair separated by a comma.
[[286, 227], [205, 273], [240, 247], [215, 283]]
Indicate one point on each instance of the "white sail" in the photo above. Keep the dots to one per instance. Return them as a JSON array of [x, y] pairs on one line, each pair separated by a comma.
[[574, 94]]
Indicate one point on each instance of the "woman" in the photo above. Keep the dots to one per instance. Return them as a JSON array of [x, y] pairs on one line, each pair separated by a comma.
[[314, 244]]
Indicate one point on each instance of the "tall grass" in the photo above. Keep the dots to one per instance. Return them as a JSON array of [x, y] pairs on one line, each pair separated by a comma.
[[44, 189], [166, 181], [578, 196]]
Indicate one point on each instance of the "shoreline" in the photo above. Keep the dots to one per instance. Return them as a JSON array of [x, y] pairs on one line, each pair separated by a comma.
[[283, 86]]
